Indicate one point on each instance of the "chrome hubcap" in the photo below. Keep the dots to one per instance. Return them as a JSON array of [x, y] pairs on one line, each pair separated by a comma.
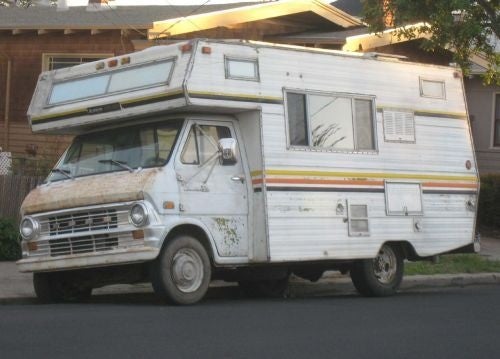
[[385, 265], [187, 270]]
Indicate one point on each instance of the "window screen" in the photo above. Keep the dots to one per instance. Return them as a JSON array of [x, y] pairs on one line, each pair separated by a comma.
[[330, 121], [297, 122]]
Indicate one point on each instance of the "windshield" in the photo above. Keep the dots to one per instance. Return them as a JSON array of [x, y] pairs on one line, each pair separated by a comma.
[[122, 149]]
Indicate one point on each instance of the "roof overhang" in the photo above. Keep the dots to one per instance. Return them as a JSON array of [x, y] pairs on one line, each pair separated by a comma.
[[231, 18], [370, 41]]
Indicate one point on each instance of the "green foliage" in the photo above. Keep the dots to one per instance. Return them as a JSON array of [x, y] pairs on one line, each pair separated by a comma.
[[489, 202], [457, 263], [10, 248], [464, 26]]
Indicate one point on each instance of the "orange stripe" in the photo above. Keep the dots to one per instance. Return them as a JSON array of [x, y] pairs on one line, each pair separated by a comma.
[[257, 181], [451, 185], [320, 181]]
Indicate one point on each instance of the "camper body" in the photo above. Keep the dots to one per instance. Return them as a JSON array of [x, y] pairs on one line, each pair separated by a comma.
[[247, 161]]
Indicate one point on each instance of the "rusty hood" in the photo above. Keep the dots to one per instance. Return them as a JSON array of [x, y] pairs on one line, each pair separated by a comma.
[[86, 191]]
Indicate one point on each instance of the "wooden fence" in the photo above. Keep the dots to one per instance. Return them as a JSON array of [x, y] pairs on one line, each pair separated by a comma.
[[13, 190]]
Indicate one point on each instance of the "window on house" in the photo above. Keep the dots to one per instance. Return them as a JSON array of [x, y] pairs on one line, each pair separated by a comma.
[[496, 118], [338, 122], [59, 61]]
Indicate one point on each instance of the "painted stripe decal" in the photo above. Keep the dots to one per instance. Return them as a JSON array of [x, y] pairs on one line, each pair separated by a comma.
[[364, 175], [235, 97], [125, 104], [355, 190], [428, 113]]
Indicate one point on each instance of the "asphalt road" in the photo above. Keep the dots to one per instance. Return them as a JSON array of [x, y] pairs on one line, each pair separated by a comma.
[[444, 323]]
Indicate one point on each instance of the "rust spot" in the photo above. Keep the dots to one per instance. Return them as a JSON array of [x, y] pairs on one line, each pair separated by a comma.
[[86, 191]]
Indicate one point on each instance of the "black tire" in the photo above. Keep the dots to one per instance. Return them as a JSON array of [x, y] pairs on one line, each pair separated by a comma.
[[182, 272], [271, 288], [380, 276], [59, 287]]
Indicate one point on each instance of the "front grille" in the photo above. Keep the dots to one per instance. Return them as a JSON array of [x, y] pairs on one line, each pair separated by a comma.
[[84, 244], [81, 222], [78, 245], [92, 230]]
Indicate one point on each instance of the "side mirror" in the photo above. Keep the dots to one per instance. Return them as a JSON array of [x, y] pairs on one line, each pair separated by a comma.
[[228, 149]]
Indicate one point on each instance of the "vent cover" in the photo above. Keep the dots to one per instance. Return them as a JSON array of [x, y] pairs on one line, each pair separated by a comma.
[[399, 126]]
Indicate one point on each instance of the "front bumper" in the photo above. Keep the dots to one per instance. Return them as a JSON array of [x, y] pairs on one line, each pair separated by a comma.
[[88, 260]]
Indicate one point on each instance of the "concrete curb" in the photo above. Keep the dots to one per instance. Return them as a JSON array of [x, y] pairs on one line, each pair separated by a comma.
[[330, 285]]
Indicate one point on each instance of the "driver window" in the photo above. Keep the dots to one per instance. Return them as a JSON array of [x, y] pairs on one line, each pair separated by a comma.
[[201, 144]]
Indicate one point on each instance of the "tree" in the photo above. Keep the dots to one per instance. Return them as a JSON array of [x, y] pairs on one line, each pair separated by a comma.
[[466, 27]]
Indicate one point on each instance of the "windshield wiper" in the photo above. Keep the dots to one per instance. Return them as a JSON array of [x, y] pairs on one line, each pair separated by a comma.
[[67, 173], [119, 164]]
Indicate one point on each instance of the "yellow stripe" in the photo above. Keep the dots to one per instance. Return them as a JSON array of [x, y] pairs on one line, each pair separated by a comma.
[[136, 99], [461, 115], [238, 95], [39, 118], [365, 175]]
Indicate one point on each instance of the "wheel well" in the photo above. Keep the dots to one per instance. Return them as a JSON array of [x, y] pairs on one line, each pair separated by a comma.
[[407, 249], [194, 231]]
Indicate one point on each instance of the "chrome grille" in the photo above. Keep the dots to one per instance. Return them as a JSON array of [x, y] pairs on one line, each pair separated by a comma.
[[84, 244], [87, 244], [84, 221]]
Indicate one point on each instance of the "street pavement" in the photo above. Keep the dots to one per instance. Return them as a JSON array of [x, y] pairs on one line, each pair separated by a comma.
[[18, 287]]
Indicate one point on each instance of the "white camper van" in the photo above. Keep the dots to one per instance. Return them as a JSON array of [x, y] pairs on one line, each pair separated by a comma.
[[247, 162]]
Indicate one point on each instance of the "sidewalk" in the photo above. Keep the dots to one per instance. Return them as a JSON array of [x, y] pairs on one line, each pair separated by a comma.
[[17, 287]]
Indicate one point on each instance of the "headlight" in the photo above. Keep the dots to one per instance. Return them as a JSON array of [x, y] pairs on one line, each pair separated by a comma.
[[29, 228], [139, 215]]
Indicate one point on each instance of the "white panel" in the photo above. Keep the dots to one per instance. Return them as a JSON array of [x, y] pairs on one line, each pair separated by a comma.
[[403, 198]]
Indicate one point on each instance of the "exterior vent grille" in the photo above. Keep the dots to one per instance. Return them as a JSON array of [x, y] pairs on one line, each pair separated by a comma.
[[399, 126]]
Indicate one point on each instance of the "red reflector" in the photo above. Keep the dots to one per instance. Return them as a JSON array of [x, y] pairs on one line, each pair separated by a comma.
[[186, 48], [206, 50], [112, 63]]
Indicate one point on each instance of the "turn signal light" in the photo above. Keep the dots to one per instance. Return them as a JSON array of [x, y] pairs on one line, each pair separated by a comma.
[[112, 63]]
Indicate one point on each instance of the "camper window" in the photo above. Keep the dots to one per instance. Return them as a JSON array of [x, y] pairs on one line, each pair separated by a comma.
[[331, 121], [130, 78], [242, 69]]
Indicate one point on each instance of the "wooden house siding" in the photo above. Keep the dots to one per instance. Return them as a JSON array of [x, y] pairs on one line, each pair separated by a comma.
[[25, 52]]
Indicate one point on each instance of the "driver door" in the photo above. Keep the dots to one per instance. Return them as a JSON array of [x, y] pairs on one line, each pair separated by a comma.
[[211, 191]]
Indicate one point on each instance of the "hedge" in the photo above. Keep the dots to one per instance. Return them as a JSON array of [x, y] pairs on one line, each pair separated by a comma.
[[488, 216], [10, 248]]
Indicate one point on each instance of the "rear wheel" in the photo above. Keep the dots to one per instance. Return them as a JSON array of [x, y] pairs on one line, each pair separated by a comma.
[[59, 287], [181, 274], [380, 276]]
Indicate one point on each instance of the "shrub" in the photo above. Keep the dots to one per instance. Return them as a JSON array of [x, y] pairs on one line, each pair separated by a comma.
[[489, 202], [10, 248]]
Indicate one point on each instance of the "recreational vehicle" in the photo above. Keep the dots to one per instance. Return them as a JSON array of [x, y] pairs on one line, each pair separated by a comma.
[[247, 162]]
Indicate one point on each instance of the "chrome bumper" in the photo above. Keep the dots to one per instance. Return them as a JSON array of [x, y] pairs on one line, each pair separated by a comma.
[[88, 260]]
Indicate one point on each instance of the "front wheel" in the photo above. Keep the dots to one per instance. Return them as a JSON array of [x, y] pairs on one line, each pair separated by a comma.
[[380, 276], [182, 272]]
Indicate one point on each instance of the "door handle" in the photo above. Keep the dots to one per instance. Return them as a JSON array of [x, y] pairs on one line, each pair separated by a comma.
[[238, 178]]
